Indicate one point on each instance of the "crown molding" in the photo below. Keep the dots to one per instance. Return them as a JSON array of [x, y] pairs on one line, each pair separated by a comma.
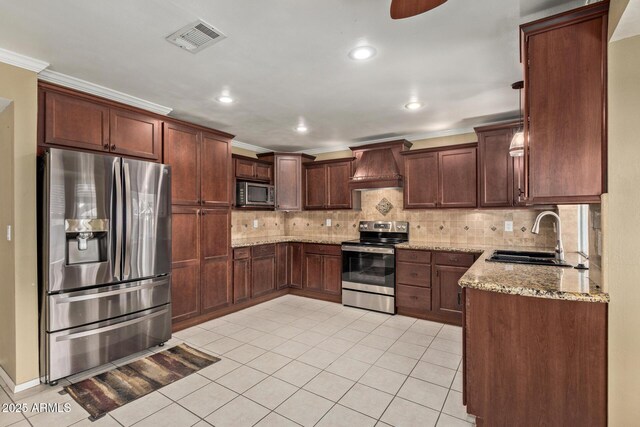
[[250, 147], [409, 137], [104, 92], [22, 61]]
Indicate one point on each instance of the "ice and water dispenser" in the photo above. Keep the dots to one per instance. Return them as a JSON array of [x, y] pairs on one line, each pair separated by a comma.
[[87, 240]]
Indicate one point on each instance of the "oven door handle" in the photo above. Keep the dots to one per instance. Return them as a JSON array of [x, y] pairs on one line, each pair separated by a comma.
[[370, 250]]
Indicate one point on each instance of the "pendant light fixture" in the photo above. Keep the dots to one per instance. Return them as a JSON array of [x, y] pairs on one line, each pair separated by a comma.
[[516, 149]]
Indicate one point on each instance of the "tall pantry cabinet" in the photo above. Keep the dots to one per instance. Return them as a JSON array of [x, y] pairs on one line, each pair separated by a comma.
[[200, 160]]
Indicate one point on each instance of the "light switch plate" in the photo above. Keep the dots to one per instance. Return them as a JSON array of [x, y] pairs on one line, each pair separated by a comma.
[[508, 226], [255, 223], [327, 222], [8, 233]]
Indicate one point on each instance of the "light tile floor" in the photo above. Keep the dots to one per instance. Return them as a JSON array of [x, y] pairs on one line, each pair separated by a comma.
[[287, 362]]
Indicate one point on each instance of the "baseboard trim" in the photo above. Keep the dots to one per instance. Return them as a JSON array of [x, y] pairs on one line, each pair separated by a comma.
[[17, 388]]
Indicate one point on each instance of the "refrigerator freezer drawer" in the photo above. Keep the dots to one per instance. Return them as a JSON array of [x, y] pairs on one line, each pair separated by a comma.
[[79, 349], [73, 309]]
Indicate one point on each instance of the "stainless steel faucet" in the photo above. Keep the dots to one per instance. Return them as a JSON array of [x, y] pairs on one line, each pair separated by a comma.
[[536, 230]]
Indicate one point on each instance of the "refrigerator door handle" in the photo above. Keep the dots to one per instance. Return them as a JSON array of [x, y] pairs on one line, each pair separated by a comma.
[[117, 265], [129, 221]]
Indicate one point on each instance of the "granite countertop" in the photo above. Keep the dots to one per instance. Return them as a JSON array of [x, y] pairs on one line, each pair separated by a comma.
[[534, 280], [256, 241], [515, 279]]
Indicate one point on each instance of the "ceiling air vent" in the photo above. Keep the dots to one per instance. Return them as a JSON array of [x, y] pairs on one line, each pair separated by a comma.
[[195, 37]]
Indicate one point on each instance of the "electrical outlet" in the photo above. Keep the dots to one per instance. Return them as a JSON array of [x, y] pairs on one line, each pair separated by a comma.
[[255, 223], [327, 222], [508, 226]]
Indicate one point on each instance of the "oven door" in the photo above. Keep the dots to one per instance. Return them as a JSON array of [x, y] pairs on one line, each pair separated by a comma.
[[369, 269]]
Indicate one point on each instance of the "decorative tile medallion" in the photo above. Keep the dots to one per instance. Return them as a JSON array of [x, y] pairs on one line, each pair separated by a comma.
[[384, 207]]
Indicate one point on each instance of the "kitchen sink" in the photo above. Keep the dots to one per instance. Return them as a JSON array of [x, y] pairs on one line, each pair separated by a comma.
[[527, 257]]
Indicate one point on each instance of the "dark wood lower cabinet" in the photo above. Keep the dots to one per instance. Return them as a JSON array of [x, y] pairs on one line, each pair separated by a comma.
[[322, 269], [427, 284], [282, 265], [313, 272], [185, 292], [185, 276], [241, 280], [534, 361], [296, 254], [332, 274], [263, 275], [216, 280]]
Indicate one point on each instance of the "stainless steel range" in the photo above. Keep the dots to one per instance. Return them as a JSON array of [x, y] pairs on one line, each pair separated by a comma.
[[369, 265], [105, 253]]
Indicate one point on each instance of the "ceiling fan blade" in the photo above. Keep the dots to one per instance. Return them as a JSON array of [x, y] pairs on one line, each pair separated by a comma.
[[406, 8]]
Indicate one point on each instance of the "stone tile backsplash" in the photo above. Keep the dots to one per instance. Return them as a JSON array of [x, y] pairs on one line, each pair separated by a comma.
[[482, 227]]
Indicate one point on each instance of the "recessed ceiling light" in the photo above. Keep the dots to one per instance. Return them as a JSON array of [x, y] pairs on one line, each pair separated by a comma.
[[225, 99], [362, 53], [302, 128], [414, 105]]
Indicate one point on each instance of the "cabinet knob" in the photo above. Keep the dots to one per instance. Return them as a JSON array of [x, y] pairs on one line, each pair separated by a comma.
[[106, 146], [113, 147]]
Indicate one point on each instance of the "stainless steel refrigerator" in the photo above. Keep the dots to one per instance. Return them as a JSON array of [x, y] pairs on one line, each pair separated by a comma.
[[105, 252]]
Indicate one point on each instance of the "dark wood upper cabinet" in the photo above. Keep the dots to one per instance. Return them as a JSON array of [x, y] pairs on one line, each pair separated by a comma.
[[216, 170], [75, 122], [499, 175], [264, 172], [249, 169], [135, 134], [216, 280], [339, 196], [288, 178], [80, 121], [458, 178], [444, 177], [564, 58], [185, 277], [316, 186], [182, 153], [327, 184], [421, 180]]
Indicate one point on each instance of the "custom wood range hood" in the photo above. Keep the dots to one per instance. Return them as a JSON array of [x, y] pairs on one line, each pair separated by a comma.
[[378, 165]]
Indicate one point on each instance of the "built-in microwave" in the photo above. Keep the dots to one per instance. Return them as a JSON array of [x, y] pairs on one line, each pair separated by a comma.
[[254, 194]]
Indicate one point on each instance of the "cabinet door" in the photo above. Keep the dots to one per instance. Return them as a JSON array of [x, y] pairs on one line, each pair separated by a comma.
[[421, 180], [457, 178], [447, 293], [264, 172], [263, 276], [496, 168], [296, 255], [182, 152], [338, 193], [185, 274], [241, 280], [565, 91], [332, 274], [316, 187], [245, 168], [74, 122], [135, 134], [216, 170], [288, 182], [216, 235], [282, 265], [313, 272]]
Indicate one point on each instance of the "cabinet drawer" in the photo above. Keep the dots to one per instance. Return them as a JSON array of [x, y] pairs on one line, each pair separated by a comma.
[[241, 253], [263, 251], [454, 258], [323, 249], [414, 274], [423, 257], [413, 297]]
